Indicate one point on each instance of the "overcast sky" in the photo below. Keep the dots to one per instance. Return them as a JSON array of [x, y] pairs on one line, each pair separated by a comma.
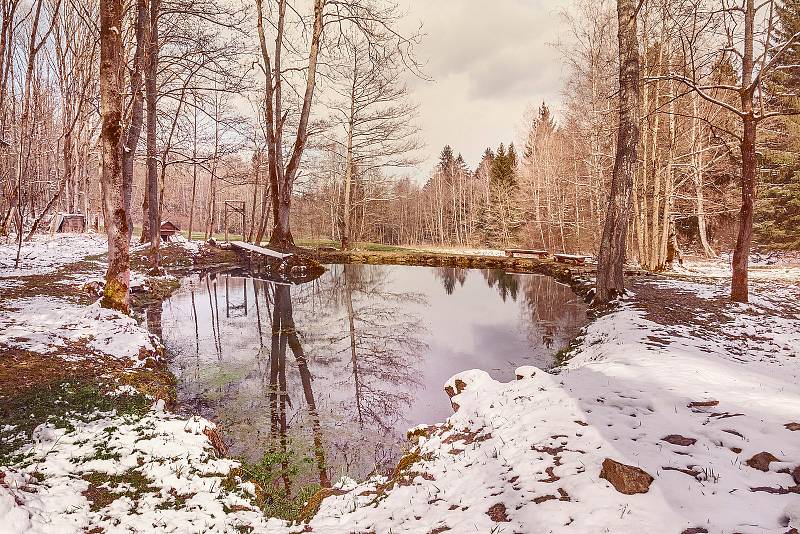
[[490, 60]]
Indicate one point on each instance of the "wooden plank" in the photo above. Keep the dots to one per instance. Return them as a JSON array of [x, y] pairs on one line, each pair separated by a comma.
[[523, 252], [260, 250]]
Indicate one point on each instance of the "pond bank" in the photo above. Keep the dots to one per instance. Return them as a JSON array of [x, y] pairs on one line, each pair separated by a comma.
[[576, 276]]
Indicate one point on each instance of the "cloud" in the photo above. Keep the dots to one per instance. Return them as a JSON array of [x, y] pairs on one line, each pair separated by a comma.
[[489, 61]]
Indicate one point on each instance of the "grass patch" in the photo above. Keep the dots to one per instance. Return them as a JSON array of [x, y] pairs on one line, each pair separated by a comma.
[[282, 481], [158, 289], [59, 403], [100, 492]]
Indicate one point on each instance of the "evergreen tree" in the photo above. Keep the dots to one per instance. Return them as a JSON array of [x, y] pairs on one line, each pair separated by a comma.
[[504, 167], [505, 215], [446, 159], [786, 82], [777, 219], [777, 223]]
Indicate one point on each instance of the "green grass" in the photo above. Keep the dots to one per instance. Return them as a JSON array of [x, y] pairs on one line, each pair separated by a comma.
[[59, 403], [298, 465], [372, 247]]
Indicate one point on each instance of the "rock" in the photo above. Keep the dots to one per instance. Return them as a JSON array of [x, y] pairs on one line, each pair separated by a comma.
[[695, 530], [796, 474], [761, 461], [794, 427], [498, 513], [626, 479], [452, 391], [677, 439]]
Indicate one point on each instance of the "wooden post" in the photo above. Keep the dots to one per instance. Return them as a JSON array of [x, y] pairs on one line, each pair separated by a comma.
[[225, 216]]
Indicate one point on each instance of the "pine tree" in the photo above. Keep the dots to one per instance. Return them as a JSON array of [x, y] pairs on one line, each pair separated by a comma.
[[446, 159], [777, 220]]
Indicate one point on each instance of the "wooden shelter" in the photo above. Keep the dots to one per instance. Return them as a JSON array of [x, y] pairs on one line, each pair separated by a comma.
[[168, 230], [69, 223]]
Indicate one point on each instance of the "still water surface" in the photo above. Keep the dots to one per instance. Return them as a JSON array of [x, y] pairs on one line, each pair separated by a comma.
[[342, 366]]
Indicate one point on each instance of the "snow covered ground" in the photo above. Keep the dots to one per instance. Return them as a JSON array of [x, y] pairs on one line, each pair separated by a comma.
[[720, 268], [104, 471], [701, 394], [45, 253], [689, 404]]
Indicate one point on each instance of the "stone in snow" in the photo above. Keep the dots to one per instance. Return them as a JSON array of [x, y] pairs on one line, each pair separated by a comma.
[[761, 461], [626, 479], [677, 439]]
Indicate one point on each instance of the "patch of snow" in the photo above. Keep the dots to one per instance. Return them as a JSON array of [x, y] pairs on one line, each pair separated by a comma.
[[45, 253], [721, 268], [172, 462], [45, 324], [464, 251]]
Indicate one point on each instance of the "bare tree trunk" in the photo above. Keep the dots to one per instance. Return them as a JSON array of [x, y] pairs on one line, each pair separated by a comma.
[[739, 284], [194, 170], [611, 261], [151, 96], [115, 190], [137, 104], [697, 164]]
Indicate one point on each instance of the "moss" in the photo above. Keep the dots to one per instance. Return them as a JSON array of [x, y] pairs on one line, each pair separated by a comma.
[[314, 501], [158, 289], [115, 296]]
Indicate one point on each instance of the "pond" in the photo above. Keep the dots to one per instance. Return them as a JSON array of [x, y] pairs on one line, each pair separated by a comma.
[[323, 379]]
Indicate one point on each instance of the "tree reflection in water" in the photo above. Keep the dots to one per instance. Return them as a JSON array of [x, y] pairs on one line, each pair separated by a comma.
[[550, 310], [377, 356], [323, 379]]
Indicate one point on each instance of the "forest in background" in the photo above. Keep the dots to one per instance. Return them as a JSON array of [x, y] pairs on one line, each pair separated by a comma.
[[195, 93]]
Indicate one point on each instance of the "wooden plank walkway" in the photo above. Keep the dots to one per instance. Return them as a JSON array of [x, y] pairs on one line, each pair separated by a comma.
[[526, 252], [260, 250], [577, 259]]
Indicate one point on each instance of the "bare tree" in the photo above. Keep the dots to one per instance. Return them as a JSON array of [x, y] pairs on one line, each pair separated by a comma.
[[373, 114], [115, 190], [611, 260], [749, 33]]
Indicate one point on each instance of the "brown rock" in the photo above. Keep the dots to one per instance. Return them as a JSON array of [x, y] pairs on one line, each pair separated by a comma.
[[677, 439], [460, 386], [626, 479], [498, 513], [794, 427], [796, 474], [761, 461]]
